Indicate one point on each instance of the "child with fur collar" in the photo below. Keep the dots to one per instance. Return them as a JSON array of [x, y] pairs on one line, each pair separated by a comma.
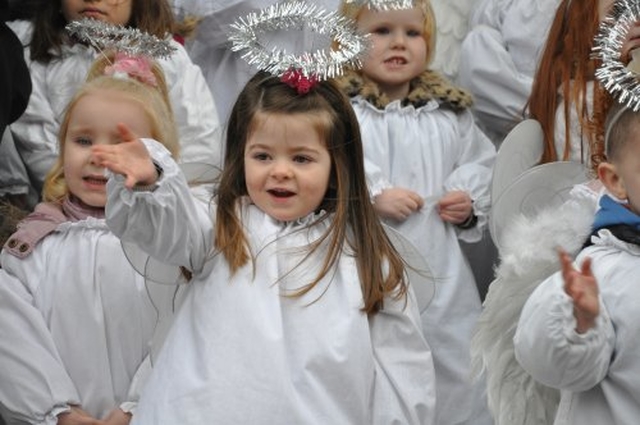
[[429, 169]]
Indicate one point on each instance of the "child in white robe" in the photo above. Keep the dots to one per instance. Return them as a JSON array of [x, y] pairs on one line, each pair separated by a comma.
[[298, 311], [76, 317], [429, 169]]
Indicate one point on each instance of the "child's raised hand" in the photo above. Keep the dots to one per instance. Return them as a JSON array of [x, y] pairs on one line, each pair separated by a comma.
[[582, 287], [455, 207], [397, 203], [129, 158]]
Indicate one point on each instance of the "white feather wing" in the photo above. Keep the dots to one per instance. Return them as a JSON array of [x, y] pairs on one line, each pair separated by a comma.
[[452, 23]]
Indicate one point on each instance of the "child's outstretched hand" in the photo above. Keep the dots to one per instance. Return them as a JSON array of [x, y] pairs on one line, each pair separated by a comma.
[[397, 203], [455, 207], [582, 287], [129, 158]]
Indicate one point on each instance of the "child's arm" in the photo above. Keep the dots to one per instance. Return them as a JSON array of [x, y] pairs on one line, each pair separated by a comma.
[[582, 287], [397, 203]]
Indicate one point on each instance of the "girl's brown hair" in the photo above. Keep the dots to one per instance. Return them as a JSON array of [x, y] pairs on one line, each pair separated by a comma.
[[565, 68], [153, 100], [151, 16], [354, 223]]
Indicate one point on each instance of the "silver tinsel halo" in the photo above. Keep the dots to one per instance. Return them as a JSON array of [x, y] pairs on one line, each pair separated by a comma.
[[320, 64], [622, 83], [383, 4], [104, 36]]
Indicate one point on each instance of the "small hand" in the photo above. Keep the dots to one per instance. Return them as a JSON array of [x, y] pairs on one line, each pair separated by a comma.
[[397, 203], [77, 416], [129, 158], [455, 207], [582, 287], [118, 417]]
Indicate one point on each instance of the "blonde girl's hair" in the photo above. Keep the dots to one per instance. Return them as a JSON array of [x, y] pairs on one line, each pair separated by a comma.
[[153, 100], [354, 224], [354, 10]]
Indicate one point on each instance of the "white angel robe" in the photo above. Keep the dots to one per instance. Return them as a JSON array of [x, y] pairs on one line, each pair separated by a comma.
[[499, 57], [241, 352], [598, 372], [55, 83], [433, 150], [76, 325]]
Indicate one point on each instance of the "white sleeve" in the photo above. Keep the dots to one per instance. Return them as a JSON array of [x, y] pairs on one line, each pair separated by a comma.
[[34, 384], [194, 109], [473, 172], [404, 388], [167, 223], [487, 69], [548, 347]]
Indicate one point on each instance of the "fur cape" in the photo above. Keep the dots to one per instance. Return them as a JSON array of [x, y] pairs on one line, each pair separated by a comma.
[[528, 257], [427, 86]]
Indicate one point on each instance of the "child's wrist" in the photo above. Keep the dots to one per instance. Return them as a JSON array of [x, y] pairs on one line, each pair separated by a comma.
[[149, 186]]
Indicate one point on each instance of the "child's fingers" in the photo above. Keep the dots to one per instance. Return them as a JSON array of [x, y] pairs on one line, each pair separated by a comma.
[[126, 134], [586, 268]]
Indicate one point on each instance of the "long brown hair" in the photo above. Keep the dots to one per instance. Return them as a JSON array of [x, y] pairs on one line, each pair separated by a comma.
[[353, 220], [565, 68], [151, 16]]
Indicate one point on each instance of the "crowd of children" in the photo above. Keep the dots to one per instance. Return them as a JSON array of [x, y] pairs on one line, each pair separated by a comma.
[[297, 305]]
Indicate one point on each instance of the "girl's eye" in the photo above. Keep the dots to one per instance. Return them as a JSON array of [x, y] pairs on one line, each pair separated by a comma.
[[260, 156], [414, 33], [301, 159], [381, 30], [83, 141]]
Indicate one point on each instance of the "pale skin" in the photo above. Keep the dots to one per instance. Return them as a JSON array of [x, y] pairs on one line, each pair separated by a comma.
[[77, 416], [398, 204], [581, 286]]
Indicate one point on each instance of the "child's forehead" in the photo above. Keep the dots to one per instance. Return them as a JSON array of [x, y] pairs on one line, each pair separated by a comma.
[[414, 16]]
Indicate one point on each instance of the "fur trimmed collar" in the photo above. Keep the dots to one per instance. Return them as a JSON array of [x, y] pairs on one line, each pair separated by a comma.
[[429, 85]]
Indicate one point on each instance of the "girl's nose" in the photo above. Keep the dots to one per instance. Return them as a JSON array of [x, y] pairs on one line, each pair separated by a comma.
[[281, 170], [398, 40]]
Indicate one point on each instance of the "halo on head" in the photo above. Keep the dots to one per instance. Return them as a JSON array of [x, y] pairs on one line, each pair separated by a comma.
[[617, 78], [291, 15], [104, 36], [383, 4]]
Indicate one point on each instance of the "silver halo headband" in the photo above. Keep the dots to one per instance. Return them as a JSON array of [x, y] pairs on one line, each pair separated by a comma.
[[383, 4], [620, 82], [104, 37], [296, 14]]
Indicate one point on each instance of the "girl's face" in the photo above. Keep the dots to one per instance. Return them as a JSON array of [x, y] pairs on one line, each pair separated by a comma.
[[286, 165], [93, 121], [399, 51], [117, 12]]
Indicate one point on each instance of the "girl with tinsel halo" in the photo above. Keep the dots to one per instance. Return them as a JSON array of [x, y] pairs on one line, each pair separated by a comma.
[[429, 169]]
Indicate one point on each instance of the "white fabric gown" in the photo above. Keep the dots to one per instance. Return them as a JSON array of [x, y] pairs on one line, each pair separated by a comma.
[[433, 150], [76, 322], [54, 84], [598, 372], [240, 351], [499, 57]]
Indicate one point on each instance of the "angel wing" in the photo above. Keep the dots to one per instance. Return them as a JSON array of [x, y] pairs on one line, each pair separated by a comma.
[[528, 255], [452, 23]]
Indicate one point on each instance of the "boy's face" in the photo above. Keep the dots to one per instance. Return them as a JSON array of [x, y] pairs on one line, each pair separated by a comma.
[[399, 51], [117, 12], [621, 176]]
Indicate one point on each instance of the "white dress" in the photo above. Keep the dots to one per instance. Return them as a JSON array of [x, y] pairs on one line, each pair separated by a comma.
[[433, 150], [227, 72], [499, 57], [76, 322], [54, 84], [598, 372], [241, 352]]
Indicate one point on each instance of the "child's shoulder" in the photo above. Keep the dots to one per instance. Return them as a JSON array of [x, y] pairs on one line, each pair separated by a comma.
[[428, 86]]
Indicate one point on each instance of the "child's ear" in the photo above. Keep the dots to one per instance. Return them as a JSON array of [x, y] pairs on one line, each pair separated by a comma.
[[611, 179]]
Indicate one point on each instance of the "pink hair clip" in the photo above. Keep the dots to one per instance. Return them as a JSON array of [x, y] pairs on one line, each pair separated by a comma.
[[296, 79], [138, 67]]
